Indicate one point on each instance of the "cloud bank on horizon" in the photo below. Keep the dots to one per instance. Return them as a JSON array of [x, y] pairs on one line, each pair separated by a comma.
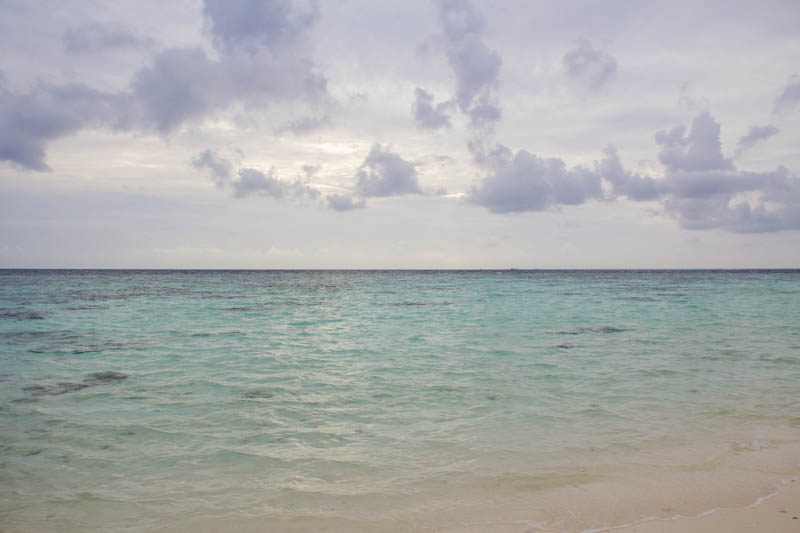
[[346, 108]]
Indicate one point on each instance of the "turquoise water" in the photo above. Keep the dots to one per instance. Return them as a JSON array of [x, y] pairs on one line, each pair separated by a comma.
[[136, 400]]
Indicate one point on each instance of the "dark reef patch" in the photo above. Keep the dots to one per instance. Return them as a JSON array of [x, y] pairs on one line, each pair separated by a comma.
[[258, 394], [63, 387]]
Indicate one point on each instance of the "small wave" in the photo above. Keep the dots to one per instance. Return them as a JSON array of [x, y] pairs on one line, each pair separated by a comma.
[[22, 315], [268, 306], [404, 304], [97, 347], [753, 446], [660, 372], [698, 516], [605, 329], [216, 333]]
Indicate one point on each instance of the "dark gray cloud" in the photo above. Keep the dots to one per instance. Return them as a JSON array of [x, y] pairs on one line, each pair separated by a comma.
[[426, 114], [790, 97], [28, 121], [525, 182], [589, 66], [755, 134], [220, 168], [97, 37], [384, 173], [345, 202], [699, 150]]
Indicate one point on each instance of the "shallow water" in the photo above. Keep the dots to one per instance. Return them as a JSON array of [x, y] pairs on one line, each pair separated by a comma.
[[132, 400]]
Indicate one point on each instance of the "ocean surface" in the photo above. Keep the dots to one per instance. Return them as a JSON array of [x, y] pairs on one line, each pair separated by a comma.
[[142, 400]]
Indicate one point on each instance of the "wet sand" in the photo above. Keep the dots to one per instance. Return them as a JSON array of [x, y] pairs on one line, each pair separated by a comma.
[[777, 514], [741, 486]]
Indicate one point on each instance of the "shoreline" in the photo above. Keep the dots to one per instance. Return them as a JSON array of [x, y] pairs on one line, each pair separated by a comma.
[[748, 486], [777, 512]]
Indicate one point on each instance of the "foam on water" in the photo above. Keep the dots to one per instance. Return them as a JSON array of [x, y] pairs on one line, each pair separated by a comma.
[[135, 400]]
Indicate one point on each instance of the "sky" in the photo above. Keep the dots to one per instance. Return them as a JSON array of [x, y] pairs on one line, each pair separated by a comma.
[[345, 134]]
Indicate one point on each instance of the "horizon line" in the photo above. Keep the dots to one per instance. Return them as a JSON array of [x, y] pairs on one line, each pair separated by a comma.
[[506, 269]]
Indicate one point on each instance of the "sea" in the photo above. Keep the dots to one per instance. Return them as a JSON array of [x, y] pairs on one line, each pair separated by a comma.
[[491, 400]]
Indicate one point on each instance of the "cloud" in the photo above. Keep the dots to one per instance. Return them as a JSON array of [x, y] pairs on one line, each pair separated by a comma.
[[28, 121], [221, 169], [476, 68], [254, 182], [345, 202], [699, 150], [384, 173], [589, 66], [700, 189], [458, 18], [181, 84], [525, 182], [755, 134], [251, 181], [625, 182], [257, 64], [703, 190], [254, 24], [263, 57], [790, 96], [426, 115], [97, 37], [304, 125], [184, 84], [311, 170], [773, 205]]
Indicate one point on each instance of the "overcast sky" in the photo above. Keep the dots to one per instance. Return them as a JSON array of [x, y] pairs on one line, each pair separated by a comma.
[[414, 134]]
